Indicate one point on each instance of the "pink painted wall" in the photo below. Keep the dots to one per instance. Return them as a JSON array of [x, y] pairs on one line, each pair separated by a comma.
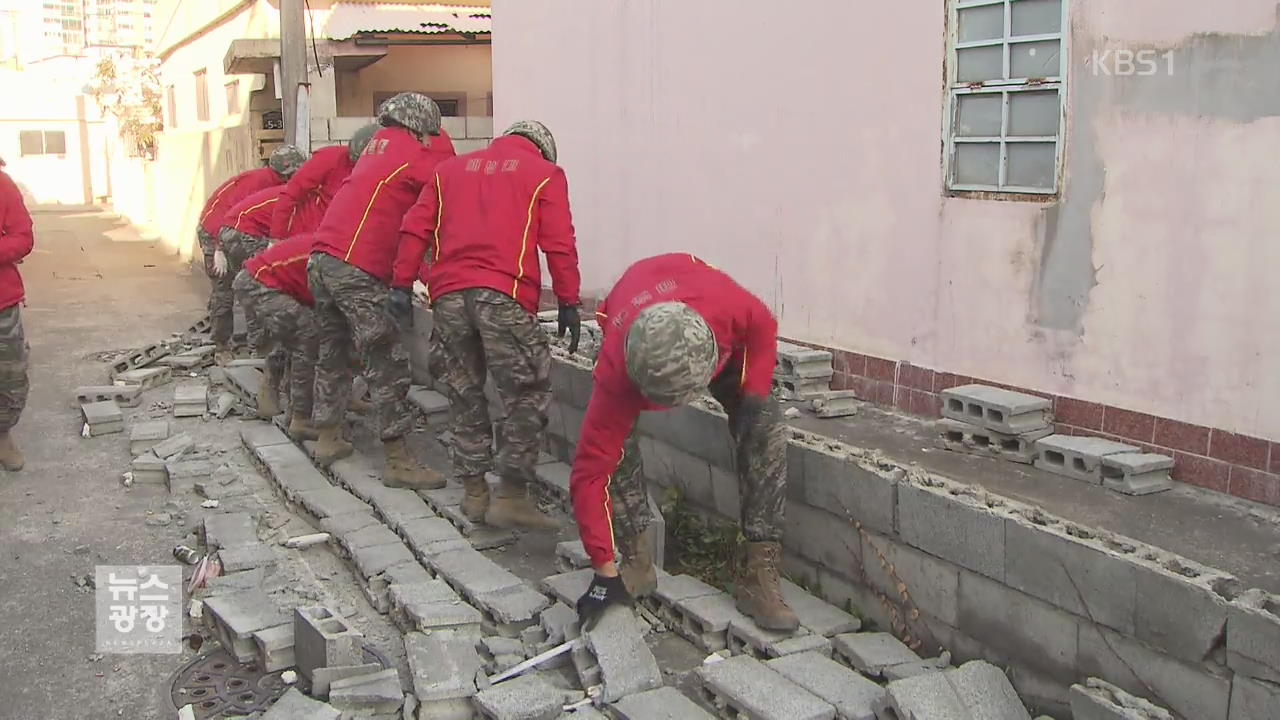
[[802, 152]]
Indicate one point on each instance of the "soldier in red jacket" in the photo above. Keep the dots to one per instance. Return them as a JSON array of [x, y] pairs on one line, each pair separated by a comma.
[[16, 241], [350, 275], [480, 223], [674, 327], [283, 163], [308, 193]]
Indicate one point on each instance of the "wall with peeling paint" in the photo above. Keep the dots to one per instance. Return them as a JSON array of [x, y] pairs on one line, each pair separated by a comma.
[[802, 153]]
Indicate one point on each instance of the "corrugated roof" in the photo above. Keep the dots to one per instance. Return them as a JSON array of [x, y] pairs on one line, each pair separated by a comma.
[[348, 19]]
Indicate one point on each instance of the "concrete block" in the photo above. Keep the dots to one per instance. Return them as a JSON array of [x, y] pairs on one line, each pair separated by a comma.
[[145, 435], [369, 536], [429, 401], [432, 606], [275, 647], [570, 555], [406, 573], [744, 637], [672, 467], [1100, 700], [293, 472], [149, 470], [985, 692], [375, 693], [339, 525], [932, 584], [358, 474], [921, 698], [175, 445], [1137, 473], [958, 528], [818, 616], [529, 697], [1077, 457], [705, 620], [560, 622], [443, 666], [672, 589], [822, 538], [1253, 635], [480, 535], [1181, 615], [471, 573], [255, 435], [120, 395], [742, 686], [443, 497], [695, 430], [568, 587], [479, 127], [323, 677], [835, 481], [102, 417], [1054, 563], [802, 361], [398, 505], [227, 530], [554, 478], [257, 363], [247, 557], [293, 705], [422, 534], [322, 638], [373, 560], [1189, 690], [182, 475], [1005, 411], [235, 616], [725, 497], [146, 378], [1018, 626], [331, 501], [794, 388], [138, 359], [665, 703], [871, 653], [853, 696], [570, 383], [189, 393], [912, 669], [1251, 699], [976, 440], [835, 404], [235, 582], [627, 666], [514, 607]]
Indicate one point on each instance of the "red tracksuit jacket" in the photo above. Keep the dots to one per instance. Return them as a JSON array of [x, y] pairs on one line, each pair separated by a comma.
[[481, 220], [16, 241], [212, 218], [746, 333], [283, 267], [362, 225], [252, 215], [311, 190]]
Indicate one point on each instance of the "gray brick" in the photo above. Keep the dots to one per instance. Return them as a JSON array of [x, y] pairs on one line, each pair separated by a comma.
[[570, 555], [119, 395], [471, 573], [1185, 617], [182, 475], [744, 637], [432, 606], [794, 359], [225, 530], [515, 605], [922, 696], [339, 525], [1099, 700], [175, 445], [139, 358], [871, 653], [376, 534], [568, 587], [1137, 473], [976, 440], [672, 467], [986, 692], [836, 481], [359, 475], [570, 383], [105, 412], [822, 538], [697, 431], [149, 470], [996, 409], [398, 506], [912, 669], [747, 687], [1189, 690], [406, 573], [725, 497], [247, 557], [933, 584], [293, 472], [376, 693], [1019, 626], [705, 620], [146, 378], [627, 666], [190, 393], [331, 501], [529, 697], [293, 705], [835, 404], [819, 616], [555, 477], [1077, 457], [560, 622], [428, 537], [245, 381], [235, 582], [1251, 699], [797, 388], [374, 560], [852, 695], [953, 527], [145, 435], [236, 615], [1076, 574], [322, 677], [322, 638], [665, 703], [1253, 635], [275, 647], [480, 535], [444, 497], [443, 666]]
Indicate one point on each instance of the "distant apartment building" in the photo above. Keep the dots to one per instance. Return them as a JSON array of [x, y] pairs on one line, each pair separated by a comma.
[[33, 31]]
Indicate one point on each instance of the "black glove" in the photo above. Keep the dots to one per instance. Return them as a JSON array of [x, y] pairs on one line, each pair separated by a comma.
[[400, 306], [603, 592], [569, 321]]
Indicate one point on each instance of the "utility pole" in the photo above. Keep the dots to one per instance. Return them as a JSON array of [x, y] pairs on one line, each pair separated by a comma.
[[293, 71]]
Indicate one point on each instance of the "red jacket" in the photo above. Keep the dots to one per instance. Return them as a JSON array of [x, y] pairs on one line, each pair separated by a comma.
[[746, 333], [252, 215], [16, 241], [483, 218], [311, 188], [362, 224], [283, 267], [231, 192]]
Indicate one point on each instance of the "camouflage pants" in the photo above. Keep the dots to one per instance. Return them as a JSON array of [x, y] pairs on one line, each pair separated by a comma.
[[221, 298], [239, 247], [287, 333], [13, 368], [351, 306], [760, 449], [477, 332]]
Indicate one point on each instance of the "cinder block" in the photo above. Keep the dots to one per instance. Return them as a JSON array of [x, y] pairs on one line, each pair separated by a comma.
[[174, 446], [511, 608], [472, 574], [102, 417], [744, 637], [339, 525], [1253, 635], [182, 475], [247, 557], [705, 620], [1100, 700], [145, 435], [1189, 690], [742, 686], [121, 395], [672, 467], [804, 362], [822, 538], [149, 470], [570, 383], [976, 440], [375, 693], [790, 387], [480, 535], [1252, 699], [985, 692], [818, 616], [695, 430], [853, 696], [322, 638], [190, 393], [293, 472], [871, 653], [665, 703], [227, 530], [245, 382], [933, 584], [444, 497], [275, 647], [1177, 613], [359, 475], [835, 404], [373, 560], [322, 678], [254, 435], [146, 378], [529, 697], [1077, 457], [293, 705], [398, 507], [235, 616], [432, 606], [443, 666], [834, 480], [568, 587], [1020, 627], [953, 527], [331, 501], [138, 359], [369, 536], [1137, 473], [426, 534], [560, 622], [627, 666], [570, 555], [1004, 411]]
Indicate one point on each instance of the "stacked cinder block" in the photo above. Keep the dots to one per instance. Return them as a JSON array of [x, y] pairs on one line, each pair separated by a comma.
[[102, 418], [802, 373], [984, 420], [1098, 461], [122, 395]]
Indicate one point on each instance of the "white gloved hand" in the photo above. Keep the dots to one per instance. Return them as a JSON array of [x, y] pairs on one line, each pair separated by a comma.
[[219, 263], [420, 293]]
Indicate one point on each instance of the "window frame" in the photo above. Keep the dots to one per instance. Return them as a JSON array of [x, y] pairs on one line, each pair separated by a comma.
[[201, 77], [233, 97], [955, 89], [44, 143]]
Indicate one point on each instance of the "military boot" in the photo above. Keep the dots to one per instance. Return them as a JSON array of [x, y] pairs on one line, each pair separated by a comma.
[[759, 591], [300, 428], [331, 446], [404, 472], [513, 509], [475, 503], [10, 456], [223, 355], [637, 569], [268, 398]]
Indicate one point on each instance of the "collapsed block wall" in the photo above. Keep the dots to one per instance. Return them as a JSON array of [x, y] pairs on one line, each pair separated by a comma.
[[952, 566]]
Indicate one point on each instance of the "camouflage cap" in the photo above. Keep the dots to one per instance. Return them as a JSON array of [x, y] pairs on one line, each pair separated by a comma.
[[671, 353], [360, 140], [413, 110], [287, 159], [538, 134]]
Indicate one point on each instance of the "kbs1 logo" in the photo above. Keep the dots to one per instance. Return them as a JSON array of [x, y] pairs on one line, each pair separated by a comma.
[[1128, 63]]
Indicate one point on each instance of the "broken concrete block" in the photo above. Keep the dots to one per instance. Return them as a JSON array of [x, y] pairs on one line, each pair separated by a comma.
[[293, 705], [1251, 699], [322, 638], [665, 703], [976, 440], [427, 534], [121, 395], [871, 653], [1076, 456], [339, 525], [743, 686], [1137, 473], [143, 436], [835, 404], [103, 418], [443, 667], [190, 399], [1100, 700], [570, 555], [176, 445], [744, 637], [560, 622], [373, 560], [375, 693], [368, 536], [322, 677], [191, 359], [146, 378], [260, 434], [795, 388], [1253, 635], [275, 647], [184, 474], [247, 557], [330, 501], [471, 573], [704, 620], [853, 696], [150, 470], [976, 689], [235, 616], [1004, 411], [627, 666], [568, 587], [906, 670], [529, 697], [227, 530], [432, 606]]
